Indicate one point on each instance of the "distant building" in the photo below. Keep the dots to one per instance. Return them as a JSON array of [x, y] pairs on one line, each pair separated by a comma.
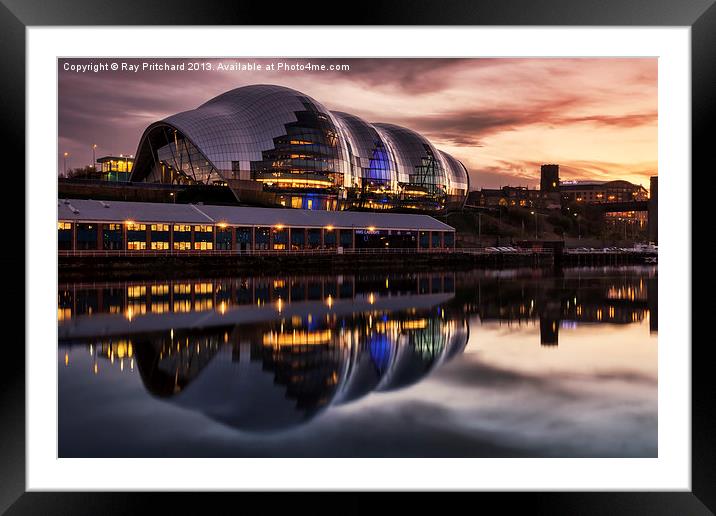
[[595, 192], [549, 178], [654, 209], [116, 168], [505, 196]]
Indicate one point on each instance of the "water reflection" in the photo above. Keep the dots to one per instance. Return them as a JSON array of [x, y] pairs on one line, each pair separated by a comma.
[[230, 373], [268, 354]]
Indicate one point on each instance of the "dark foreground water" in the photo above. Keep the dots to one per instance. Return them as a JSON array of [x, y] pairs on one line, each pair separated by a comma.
[[476, 364]]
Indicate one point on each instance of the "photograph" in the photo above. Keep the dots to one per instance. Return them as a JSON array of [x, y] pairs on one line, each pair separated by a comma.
[[357, 257]]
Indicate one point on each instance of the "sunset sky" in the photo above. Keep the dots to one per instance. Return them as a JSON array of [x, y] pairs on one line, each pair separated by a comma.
[[596, 118]]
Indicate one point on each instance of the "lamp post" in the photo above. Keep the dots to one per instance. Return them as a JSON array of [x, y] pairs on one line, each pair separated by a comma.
[[535, 214], [64, 166], [579, 226], [94, 160]]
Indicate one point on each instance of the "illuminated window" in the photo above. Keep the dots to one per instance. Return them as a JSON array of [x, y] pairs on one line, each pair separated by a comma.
[[182, 288], [160, 237], [203, 237], [112, 237], [182, 246], [64, 235], [135, 291], [182, 237], [203, 288], [159, 290], [280, 238]]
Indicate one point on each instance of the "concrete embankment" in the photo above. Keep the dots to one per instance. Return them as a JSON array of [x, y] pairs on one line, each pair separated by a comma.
[[171, 265], [164, 266]]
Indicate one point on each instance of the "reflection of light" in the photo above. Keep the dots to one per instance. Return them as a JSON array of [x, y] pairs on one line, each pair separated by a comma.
[[130, 313], [386, 282], [418, 324], [371, 298], [329, 301], [279, 305], [171, 334], [222, 307], [297, 338], [67, 359], [95, 369]]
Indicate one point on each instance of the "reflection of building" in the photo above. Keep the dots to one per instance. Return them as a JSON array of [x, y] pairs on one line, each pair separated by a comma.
[[273, 375], [554, 303], [276, 146]]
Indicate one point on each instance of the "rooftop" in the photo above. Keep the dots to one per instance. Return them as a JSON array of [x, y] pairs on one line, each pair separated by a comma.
[[115, 158], [88, 210]]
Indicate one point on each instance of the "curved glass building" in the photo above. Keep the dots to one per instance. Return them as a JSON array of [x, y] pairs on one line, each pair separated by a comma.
[[276, 146]]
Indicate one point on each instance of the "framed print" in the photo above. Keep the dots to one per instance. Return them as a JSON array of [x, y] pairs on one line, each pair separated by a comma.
[[422, 257]]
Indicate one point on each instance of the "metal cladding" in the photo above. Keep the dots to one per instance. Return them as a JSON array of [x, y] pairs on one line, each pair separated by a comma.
[[277, 146]]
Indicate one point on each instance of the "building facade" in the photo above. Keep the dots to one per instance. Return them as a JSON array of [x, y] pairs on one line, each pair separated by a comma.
[[275, 146], [115, 168], [90, 225], [596, 192]]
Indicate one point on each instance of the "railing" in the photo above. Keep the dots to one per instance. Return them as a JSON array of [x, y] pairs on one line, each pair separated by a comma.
[[345, 251], [250, 252]]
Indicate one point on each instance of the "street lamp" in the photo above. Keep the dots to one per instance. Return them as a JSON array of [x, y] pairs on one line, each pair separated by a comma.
[[579, 226], [94, 160], [64, 169], [535, 214]]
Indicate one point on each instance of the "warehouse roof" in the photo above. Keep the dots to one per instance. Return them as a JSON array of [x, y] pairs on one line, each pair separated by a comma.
[[87, 210]]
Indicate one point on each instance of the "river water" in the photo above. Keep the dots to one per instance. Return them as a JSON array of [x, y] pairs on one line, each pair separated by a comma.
[[490, 363]]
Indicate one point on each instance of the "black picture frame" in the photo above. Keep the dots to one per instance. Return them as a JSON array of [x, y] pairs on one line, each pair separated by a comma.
[[16, 15]]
